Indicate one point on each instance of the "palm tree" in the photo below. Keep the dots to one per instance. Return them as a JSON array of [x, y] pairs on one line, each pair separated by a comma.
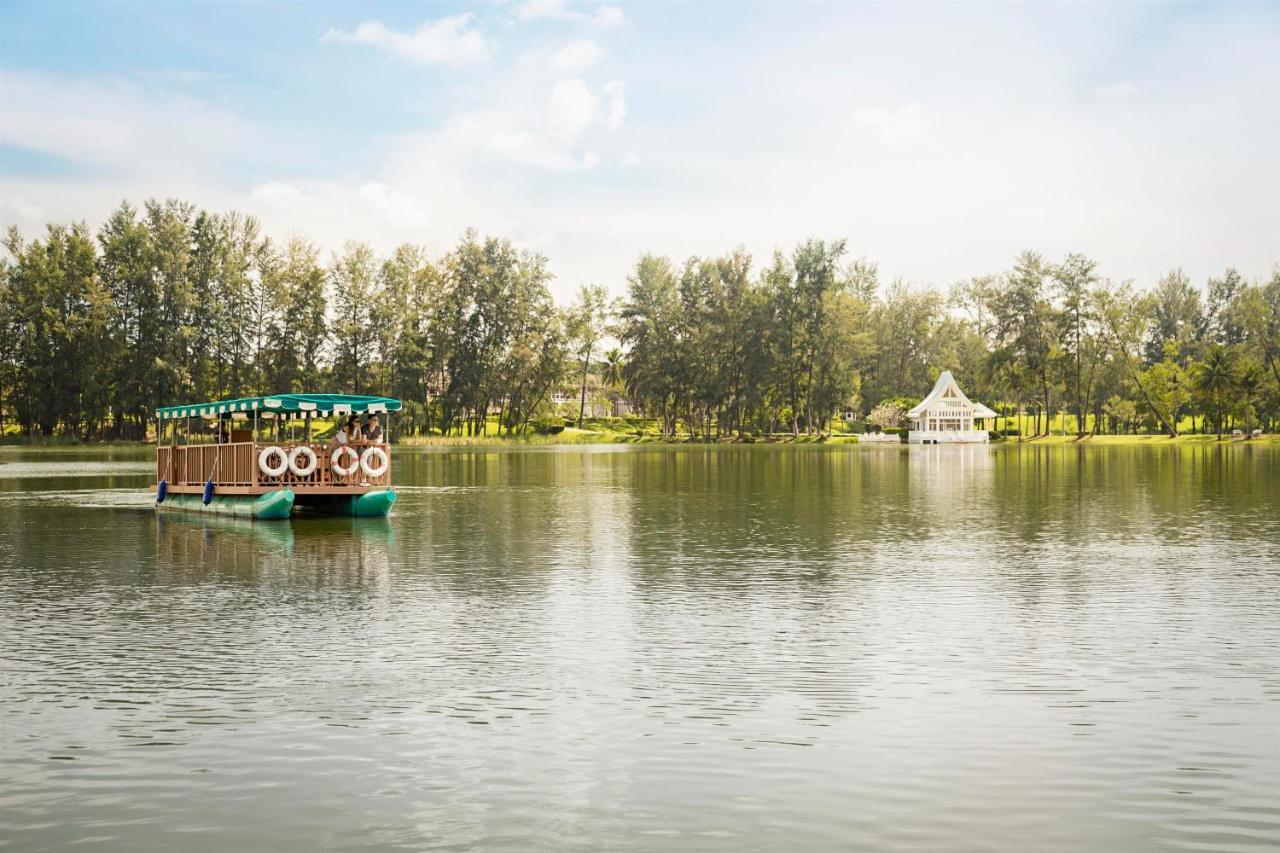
[[1216, 377], [1249, 382], [611, 374], [611, 369]]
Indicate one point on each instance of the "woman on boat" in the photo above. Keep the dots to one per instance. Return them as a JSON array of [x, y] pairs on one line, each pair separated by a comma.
[[344, 437]]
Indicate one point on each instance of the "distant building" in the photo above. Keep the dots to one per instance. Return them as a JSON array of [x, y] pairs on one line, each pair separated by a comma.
[[567, 401], [602, 402], [946, 416]]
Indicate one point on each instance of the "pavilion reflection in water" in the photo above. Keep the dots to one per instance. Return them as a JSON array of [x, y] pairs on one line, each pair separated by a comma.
[[953, 479]]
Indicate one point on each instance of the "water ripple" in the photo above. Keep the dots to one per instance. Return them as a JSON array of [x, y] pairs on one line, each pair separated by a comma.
[[673, 649]]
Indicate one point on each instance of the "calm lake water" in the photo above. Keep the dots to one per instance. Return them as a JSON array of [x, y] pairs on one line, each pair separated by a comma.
[[753, 648]]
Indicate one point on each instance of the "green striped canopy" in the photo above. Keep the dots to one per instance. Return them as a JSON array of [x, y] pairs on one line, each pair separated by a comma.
[[306, 405]]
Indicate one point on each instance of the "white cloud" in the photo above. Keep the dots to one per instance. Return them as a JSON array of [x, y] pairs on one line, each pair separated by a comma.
[[576, 57], [560, 10], [276, 192], [454, 40], [118, 124], [573, 107], [555, 10], [332, 211], [23, 210], [896, 126], [608, 16], [515, 131], [1122, 89], [178, 75], [616, 92], [393, 205]]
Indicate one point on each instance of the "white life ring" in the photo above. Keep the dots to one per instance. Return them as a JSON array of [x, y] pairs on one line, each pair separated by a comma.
[[302, 470], [337, 466], [273, 470], [374, 470]]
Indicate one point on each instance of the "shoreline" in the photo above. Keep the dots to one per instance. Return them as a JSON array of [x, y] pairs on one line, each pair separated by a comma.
[[590, 438]]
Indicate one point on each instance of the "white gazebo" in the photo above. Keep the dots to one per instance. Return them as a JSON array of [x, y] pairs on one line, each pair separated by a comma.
[[946, 416]]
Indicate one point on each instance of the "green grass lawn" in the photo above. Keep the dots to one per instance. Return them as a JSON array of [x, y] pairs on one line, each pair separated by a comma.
[[1065, 424], [1152, 440], [638, 430]]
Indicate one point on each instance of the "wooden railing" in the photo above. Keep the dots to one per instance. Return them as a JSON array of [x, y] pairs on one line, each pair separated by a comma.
[[237, 465]]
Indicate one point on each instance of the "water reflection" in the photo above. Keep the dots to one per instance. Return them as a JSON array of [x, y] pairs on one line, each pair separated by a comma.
[[191, 548], [651, 647]]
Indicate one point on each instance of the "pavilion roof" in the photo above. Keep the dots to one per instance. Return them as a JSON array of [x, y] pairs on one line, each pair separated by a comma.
[[945, 381], [309, 405]]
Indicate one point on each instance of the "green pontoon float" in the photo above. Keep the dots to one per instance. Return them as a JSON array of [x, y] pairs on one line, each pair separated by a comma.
[[256, 457]]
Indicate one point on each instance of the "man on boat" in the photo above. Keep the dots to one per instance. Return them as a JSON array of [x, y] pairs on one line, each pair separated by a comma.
[[370, 435], [372, 429]]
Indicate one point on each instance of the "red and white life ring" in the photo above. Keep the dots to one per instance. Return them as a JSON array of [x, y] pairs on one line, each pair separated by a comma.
[[298, 469], [338, 467], [378, 469], [264, 461]]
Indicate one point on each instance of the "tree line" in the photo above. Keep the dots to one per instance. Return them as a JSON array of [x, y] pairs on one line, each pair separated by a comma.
[[168, 303]]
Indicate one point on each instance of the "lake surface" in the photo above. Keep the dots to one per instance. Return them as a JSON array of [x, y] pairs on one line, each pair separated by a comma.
[[653, 648]]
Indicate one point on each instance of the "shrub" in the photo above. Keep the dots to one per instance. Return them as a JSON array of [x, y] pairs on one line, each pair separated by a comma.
[[1012, 431], [548, 425], [857, 427], [893, 430], [994, 435]]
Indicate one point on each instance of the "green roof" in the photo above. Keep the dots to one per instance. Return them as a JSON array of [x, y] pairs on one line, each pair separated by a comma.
[[321, 405]]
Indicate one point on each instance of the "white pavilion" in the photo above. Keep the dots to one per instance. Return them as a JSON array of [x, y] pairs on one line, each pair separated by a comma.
[[946, 416]]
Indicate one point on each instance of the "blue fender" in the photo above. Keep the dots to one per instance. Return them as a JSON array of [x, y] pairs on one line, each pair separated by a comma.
[[161, 491], [208, 492]]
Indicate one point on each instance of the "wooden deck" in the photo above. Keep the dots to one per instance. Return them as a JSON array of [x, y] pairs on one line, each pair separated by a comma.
[[234, 469]]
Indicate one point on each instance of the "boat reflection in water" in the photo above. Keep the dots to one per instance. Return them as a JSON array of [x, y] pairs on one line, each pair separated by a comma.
[[322, 552]]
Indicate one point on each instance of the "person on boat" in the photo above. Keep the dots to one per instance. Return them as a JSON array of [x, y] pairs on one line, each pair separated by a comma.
[[344, 437], [371, 435], [372, 430]]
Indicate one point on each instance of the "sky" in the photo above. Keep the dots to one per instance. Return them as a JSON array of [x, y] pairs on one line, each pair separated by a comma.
[[938, 140]]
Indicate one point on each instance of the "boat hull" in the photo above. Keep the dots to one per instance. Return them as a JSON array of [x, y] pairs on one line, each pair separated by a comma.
[[276, 504], [374, 504]]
